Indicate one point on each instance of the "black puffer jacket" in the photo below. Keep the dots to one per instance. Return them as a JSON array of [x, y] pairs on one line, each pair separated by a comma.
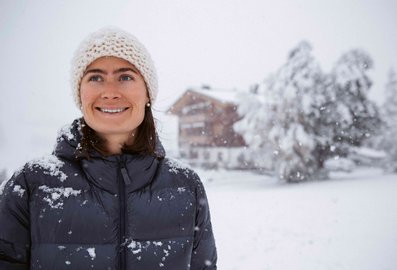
[[119, 212]]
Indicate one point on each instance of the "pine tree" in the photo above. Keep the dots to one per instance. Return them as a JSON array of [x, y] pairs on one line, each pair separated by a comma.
[[279, 118], [305, 117], [389, 112], [358, 117], [300, 84], [255, 107]]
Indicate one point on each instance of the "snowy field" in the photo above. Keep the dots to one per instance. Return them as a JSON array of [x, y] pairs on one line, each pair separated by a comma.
[[347, 223]]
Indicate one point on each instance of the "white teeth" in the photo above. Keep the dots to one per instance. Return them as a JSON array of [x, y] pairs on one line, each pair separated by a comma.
[[112, 110]]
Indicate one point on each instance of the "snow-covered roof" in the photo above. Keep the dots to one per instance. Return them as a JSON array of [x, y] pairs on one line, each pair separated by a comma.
[[222, 95]]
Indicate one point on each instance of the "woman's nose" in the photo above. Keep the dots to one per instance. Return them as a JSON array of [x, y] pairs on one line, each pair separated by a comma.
[[111, 91]]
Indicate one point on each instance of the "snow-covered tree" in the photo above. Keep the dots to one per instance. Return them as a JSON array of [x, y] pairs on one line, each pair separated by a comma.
[[281, 115], [305, 117], [389, 112], [299, 83], [358, 117], [257, 109]]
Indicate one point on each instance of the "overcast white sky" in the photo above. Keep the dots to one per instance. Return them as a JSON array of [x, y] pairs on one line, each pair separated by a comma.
[[223, 43]]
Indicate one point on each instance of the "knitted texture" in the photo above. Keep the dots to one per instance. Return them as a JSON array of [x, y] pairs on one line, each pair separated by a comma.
[[118, 43]]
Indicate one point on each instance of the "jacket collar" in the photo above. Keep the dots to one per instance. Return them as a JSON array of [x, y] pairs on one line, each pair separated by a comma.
[[105, 172]]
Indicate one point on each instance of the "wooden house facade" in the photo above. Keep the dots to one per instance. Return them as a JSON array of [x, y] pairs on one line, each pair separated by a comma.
[[206, 135]]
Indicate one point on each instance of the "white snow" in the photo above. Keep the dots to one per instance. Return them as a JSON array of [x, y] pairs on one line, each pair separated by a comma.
[[339, 164], [55, 196], [161, 248], [207, 262], [135, 247], [181, 189], [67, 132], [51, 165], [157, 243], [225, 96], [4, 183], [365, 151], [19, 190], [348, 222], [177, 166], [91, 252]]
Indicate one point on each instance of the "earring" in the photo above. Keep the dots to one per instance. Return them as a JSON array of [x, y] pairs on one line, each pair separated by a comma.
[[148, 104]]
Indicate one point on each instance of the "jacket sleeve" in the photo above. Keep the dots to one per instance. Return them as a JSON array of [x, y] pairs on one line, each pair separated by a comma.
[[14, 224], [204, 250]]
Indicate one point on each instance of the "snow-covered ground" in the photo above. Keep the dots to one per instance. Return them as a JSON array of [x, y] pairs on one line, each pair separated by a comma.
[[346, 223]]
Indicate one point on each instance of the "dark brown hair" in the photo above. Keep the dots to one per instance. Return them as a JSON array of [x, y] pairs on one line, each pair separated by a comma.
[[144, 143]]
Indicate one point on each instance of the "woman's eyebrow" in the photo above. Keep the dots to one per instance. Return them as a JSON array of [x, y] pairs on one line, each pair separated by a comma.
[[120, 70], [94, 70]]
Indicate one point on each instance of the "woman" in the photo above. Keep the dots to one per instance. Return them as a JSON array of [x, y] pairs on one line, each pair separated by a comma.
[[107, 198]]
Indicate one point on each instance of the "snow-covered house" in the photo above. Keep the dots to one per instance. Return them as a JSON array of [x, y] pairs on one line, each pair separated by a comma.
[[206, 136]]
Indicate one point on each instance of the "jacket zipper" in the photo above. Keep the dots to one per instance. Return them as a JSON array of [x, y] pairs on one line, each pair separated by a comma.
[[125, 181]]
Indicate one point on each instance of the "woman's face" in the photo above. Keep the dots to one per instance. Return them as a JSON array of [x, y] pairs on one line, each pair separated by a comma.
[[113, 96]]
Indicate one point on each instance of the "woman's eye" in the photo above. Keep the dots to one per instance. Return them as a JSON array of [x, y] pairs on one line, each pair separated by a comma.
[[126, 78], [95, 78]]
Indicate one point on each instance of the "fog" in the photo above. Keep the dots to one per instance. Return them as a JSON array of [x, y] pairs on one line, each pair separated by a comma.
[[223, 43]]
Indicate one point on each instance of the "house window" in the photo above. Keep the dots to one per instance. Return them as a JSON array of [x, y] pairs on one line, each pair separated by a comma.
[[193, 154], [196, 107], [194, 128]]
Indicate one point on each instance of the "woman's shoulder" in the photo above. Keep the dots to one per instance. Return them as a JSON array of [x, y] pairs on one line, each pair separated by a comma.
[[183, 174], [48, 166], [47, 173], [54, 164], [177, 167], [177, 170]]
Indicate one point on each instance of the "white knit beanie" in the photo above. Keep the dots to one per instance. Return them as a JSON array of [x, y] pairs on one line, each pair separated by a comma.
[[118, 43]]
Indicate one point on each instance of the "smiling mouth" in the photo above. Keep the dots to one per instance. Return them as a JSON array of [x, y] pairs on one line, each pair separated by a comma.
[[117, 110]]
